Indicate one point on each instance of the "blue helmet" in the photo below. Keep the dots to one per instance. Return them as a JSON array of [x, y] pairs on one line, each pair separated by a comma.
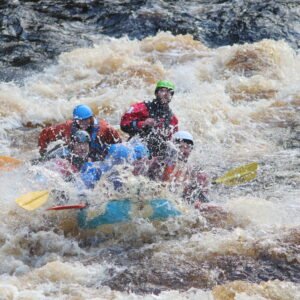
[[82, 112], [81, 136], [118, 152], [140, 151]]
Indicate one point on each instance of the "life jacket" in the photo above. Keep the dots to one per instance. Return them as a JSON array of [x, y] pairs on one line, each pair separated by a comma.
[[173, 172], [98, 149], [96, 144], [159, 113], [156, 137]]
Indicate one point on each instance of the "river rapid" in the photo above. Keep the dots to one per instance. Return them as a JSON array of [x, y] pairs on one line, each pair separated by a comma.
[[241, 103]]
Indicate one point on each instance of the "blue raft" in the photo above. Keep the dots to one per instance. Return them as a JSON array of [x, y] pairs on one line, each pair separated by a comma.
[[124, 211]]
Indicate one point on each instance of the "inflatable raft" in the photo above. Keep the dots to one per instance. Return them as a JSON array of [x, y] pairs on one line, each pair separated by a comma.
[[124, 211]]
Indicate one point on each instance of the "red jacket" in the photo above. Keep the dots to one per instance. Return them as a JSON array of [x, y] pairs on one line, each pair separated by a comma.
[[101, 135], [133, 120]]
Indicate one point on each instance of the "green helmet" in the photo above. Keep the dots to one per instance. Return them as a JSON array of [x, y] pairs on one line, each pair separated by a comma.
[[165, 84]]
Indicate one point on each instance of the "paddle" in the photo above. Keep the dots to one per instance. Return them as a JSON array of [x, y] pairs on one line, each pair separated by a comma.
[[63, 207], [8, 163], [33, 200], [239, 175]]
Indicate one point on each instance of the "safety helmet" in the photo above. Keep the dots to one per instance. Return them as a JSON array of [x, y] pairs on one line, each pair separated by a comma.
[[165, 84], [81, 136], [183, 136], [140, 151], [118, 152], [82, 112]]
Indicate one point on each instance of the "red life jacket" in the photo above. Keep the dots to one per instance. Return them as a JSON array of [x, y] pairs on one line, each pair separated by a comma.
[[133, 120]]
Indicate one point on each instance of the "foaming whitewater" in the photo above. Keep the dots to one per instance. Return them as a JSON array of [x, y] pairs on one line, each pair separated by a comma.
[[240, 102]]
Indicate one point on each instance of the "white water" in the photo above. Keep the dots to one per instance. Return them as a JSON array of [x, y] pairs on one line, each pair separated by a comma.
[[241, 104]]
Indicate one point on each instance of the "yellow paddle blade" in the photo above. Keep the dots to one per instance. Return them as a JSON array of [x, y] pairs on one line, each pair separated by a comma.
[[33, 200], [8, 163], [239, 175]]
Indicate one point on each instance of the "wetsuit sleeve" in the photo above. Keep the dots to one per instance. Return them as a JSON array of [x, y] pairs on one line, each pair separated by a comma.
[[133, 120], [53, 133], [108, 134], [174, 124]]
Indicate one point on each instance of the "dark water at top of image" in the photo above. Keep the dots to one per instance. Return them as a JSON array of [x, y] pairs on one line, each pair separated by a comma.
[[33, 33]]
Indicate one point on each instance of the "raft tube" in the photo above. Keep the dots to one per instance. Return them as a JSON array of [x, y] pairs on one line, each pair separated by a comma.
[[124, 211]]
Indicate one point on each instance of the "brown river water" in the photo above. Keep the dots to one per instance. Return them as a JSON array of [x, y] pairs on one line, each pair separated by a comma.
[[241, 104]]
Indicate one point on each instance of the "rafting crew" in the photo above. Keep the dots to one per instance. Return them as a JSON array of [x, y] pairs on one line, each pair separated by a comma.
[[152, 128]]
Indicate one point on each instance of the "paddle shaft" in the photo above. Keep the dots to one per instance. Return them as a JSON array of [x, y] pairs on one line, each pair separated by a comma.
[[64, 207]]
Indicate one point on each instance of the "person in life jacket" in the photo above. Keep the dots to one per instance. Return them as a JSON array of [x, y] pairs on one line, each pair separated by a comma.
[[68, 159], [176, 169], [153, 121], [101, 133], [124, 155], [194, 180]]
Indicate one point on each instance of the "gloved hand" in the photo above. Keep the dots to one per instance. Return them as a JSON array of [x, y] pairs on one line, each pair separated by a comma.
[[149, 122]]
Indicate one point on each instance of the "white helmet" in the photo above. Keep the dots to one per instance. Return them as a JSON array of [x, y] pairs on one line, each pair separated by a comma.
[[183, 136]]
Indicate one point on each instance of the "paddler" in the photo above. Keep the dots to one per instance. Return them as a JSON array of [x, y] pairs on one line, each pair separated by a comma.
[[101, 133], [153, 121], [176, 170]]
